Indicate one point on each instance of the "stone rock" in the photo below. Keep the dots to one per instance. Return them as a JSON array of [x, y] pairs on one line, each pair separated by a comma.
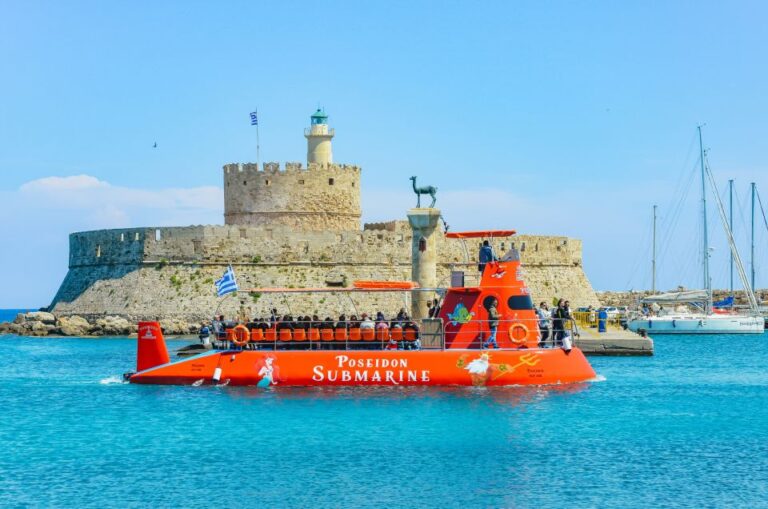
[[40, 316], [37, 328], [113, 326], [73, 325], [20, 318], [10, 328], [174, 327]]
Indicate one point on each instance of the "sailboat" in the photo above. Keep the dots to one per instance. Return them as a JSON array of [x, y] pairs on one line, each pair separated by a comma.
[[706, 319]]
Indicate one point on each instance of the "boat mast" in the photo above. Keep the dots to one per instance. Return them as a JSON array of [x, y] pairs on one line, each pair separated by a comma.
[[730, 223], [705, 247], [752, 252], [653, 262]]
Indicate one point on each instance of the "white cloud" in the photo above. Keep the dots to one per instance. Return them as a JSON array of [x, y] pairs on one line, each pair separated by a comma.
[[108, 206], [39, 216], [63, 184]]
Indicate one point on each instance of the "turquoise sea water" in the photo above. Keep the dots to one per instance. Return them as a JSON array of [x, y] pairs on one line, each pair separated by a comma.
[[7, 315], [686, 428]]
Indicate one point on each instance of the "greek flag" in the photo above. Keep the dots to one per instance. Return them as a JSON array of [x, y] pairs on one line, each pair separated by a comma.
[[254, 118], [227, 283]]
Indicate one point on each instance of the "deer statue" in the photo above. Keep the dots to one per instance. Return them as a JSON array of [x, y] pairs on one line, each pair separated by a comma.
[[430, 190]]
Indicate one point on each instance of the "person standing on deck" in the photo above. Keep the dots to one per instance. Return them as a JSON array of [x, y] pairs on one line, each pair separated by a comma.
[[559, 316], [544, 322], [486, 255], [493, 324]]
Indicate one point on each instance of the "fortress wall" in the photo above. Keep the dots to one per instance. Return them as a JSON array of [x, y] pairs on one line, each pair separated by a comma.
[[107, 247], [321, 197], [173, 274]]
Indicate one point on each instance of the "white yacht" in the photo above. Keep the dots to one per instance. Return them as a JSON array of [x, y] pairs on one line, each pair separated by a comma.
[[683, 321]]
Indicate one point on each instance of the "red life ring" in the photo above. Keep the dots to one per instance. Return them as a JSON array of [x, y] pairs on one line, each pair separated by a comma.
[[242, 335], [518, 333]]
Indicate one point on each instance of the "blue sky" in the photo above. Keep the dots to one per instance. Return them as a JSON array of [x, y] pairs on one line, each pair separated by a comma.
[[557, 118]]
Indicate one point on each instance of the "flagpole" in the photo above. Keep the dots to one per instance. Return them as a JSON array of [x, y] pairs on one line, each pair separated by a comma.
[[258, 155]]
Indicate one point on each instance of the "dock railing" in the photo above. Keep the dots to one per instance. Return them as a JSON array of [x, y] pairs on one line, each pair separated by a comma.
[[591, 319]]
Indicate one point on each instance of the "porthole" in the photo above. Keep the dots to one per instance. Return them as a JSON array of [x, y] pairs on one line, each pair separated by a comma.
[[520, 302]]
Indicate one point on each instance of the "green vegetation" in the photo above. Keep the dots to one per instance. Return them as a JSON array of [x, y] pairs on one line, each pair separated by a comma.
[[162, 264], [255, 296], [256, 259], [176, 281]]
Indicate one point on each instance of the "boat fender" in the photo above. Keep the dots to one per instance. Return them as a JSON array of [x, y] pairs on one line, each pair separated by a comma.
[[567, 343], [515, 336], [673, 323], [216, 374], [242, 335]]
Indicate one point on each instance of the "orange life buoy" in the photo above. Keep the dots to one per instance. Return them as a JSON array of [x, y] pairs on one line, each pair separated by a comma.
[[518, 333], [242, 335]]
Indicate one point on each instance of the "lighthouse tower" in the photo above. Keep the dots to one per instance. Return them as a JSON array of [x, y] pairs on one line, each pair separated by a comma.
[[319, 139]]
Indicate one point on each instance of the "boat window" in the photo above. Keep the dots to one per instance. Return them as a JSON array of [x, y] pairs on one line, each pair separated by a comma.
[[520, 302]]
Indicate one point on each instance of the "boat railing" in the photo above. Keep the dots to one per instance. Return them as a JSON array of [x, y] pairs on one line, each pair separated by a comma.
[[425, 334], [520, 332], [464, 275]]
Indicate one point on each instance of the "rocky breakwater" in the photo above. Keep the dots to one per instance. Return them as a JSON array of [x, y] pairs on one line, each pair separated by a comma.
[[43, 323]]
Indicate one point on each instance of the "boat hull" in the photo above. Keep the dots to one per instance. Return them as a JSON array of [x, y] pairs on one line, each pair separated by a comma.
[[699, 325], [264, 368]]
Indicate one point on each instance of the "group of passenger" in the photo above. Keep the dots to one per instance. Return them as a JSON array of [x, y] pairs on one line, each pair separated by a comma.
[[343, 323], [553, 324]]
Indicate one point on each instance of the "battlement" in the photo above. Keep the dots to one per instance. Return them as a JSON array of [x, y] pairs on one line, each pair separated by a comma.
[[324, 197], [388, 226], [273, 168]]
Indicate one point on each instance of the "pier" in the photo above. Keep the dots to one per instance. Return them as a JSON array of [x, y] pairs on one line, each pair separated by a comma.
[[615, 341]]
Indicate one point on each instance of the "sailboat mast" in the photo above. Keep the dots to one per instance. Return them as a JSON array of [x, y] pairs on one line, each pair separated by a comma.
[[653, 262], [752, 252], [705, 246], [730, 224]]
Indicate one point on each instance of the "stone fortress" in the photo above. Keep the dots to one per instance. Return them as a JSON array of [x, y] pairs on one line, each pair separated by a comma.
[[288, 227]]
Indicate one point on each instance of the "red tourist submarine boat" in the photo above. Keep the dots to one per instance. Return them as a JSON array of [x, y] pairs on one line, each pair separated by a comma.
[[444, 351]]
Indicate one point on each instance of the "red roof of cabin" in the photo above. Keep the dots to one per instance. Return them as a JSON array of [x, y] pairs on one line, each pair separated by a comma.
[[479, 234]]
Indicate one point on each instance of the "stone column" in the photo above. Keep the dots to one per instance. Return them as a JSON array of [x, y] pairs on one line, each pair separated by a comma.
[[423, 256]]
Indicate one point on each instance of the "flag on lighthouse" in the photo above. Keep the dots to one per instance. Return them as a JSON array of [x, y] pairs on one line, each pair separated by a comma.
[[254, 118]]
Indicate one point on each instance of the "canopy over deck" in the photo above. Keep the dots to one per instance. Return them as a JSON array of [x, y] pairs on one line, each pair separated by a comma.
[[480, 234]]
